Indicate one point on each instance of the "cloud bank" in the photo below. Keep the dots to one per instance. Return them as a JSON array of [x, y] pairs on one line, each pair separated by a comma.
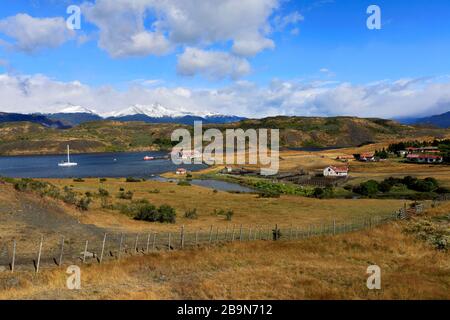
[[386, 99]]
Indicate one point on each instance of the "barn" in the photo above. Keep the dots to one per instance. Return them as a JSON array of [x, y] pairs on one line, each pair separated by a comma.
[[333, 171]]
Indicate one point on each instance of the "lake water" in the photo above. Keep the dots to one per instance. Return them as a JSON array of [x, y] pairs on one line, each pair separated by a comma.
[[112, 165], [212, 184]]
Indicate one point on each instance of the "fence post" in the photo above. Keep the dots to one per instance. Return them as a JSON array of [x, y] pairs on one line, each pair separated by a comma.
[[120, 245], [232, 236], [13, 262], [61, 253], [182, 237], [226, 233], [103, 248], [249, 233], [85, 251], [170, 236], [240, 234], [148, 243], [136, 243], [268, 232], [210, 234], [39, 255], [154, 242]]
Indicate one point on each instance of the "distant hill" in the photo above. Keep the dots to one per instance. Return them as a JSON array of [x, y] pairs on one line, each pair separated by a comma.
[[114, 136], [73, 119], [441, 120], [39, 119]]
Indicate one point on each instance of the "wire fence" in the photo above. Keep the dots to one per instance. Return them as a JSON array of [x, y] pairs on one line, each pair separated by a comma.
[[53, 252]]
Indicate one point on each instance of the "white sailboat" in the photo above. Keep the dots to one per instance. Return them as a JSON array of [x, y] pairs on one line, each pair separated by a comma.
[[68, 163]]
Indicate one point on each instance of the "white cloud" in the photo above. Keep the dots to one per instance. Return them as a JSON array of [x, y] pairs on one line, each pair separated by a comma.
[[386, 99], [33, 34], [157, 27], [212, 64]]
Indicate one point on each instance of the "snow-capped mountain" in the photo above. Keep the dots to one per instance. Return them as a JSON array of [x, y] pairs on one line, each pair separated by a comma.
[[71, 108], [155, 110], [71, 115]]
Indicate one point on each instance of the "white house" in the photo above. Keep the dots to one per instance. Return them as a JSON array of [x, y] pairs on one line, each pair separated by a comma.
[[333, 171]]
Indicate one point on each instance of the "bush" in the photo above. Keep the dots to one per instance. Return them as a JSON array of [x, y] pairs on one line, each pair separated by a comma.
[[88, 194], [83, 204], [125, 195], [131, 179], [184, 183], [385, 186], [322, 193], [191, 214], [103, 192], [145, 211], [167, 214], [228, 214], [269, 194], [69, 196], [78, 180], [102, 180], [368, 188], [154, 191]]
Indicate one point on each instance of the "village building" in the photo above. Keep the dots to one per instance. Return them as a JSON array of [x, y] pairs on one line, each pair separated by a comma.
[[424, 158], [413, 150], [367, 157], [345, 157], [333, 171], [181, 171]]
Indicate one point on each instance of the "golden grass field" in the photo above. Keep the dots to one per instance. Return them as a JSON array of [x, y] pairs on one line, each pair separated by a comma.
[[248, 209], [317, 268]]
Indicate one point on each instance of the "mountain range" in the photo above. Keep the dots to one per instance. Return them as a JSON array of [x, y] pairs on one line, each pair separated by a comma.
[[440, 121], [72, 115]]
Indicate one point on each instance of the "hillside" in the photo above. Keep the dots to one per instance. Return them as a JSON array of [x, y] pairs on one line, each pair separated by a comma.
[[317, 268], [20, 138]]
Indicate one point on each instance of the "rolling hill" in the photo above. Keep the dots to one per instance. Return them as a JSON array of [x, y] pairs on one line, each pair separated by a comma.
[[18, 138]]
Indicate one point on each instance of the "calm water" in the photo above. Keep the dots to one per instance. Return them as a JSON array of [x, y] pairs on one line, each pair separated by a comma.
[[212, 184], [130, 164]]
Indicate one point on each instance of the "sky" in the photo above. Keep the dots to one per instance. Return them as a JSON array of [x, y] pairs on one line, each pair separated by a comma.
[[251, 58]]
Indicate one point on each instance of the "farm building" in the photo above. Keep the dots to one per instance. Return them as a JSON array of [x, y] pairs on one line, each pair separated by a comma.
[[333, 171], [181, 171], [345, 157], [367, 157], [412, 150], [424, 158]]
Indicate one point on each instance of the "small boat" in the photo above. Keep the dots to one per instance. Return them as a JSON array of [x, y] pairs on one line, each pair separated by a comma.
[[67, 163], [147, 158]]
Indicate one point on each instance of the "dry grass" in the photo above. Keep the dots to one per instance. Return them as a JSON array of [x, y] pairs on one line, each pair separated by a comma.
[[320, 268], [248, 209]]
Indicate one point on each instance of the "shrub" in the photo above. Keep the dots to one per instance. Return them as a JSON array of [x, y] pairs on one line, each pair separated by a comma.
[[102, 180], [269, 194], [154, 191], [103, 192], [131, 179], [167, 214], [78, 180], [125, 195], [184, 183], [146, 212], [191, 214], [368, 188], [83, 204], [69, 196], [88, 194], [229, 214], [385, 186]]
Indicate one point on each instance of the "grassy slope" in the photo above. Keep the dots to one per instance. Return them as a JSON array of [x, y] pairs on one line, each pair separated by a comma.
[[320, 268], [103, 136], [248, 209]]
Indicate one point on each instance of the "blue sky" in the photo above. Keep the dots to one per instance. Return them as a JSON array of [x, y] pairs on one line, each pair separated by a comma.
[[294, 57]]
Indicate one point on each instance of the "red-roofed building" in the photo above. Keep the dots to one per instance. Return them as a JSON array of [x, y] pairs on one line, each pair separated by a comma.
[[424, 158], [333, 171]]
